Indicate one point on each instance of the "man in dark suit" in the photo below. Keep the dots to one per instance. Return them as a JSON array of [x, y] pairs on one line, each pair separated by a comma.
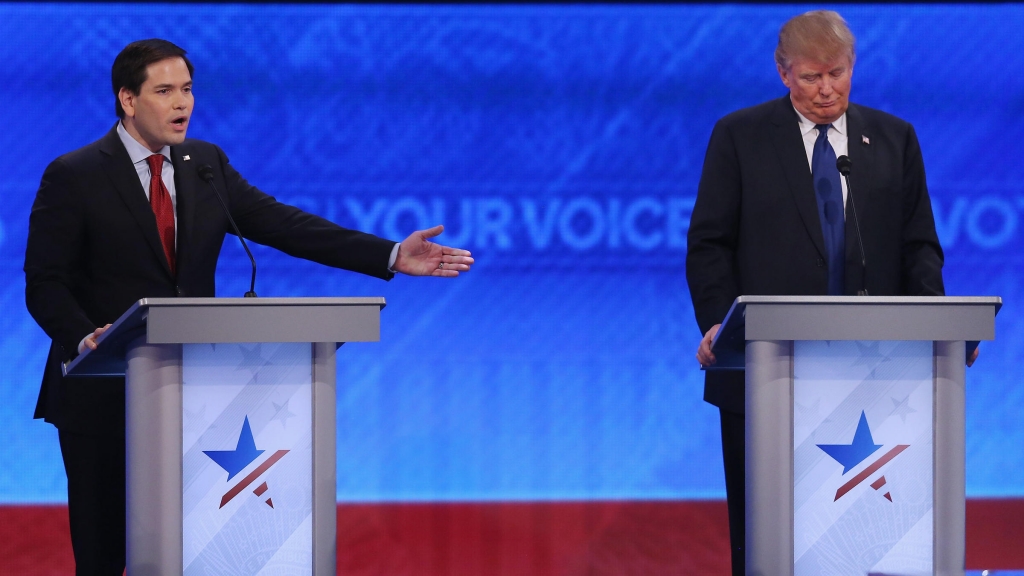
[[128, 217], [769, 217]]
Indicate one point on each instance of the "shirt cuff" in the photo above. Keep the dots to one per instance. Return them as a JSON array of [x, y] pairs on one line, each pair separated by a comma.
[[394, 256]]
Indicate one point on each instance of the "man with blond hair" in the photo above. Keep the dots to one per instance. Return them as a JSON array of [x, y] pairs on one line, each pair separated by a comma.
[[771, 211]]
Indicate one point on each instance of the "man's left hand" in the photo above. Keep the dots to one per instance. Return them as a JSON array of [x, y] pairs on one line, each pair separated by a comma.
[[417, 256]]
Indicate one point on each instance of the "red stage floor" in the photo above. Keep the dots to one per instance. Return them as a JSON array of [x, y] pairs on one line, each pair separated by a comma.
[[521, 539]]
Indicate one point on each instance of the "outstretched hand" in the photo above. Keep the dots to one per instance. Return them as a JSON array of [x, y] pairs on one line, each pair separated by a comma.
[[418, 256]]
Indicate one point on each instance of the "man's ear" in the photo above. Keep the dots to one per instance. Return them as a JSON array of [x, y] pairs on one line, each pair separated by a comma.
[[783, 73], [127, 99]]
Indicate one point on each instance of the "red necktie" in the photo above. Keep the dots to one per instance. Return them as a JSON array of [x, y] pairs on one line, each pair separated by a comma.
[[160, 201]]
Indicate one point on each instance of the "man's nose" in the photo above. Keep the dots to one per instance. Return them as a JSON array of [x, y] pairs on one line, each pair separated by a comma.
[[826, 86]]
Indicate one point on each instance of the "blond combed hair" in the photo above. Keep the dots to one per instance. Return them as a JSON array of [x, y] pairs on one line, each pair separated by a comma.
[[819, 35]]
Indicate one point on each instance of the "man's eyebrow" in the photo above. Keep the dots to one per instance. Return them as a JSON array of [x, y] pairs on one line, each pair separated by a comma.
[[169, 85]]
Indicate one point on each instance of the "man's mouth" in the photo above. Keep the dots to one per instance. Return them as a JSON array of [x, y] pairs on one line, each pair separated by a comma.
[[180, 121]]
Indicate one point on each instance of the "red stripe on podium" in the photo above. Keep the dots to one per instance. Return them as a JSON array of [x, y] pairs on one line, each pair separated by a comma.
[[237, 488], [870, 470], [535, 538]]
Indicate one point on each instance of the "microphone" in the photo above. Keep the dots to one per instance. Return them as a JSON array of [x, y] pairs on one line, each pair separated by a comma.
[[206, 173], [844, 164]]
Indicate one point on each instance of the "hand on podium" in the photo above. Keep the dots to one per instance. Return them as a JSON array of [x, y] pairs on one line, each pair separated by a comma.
[[704, 355], [417, 256], [90, 340], [973, 356]]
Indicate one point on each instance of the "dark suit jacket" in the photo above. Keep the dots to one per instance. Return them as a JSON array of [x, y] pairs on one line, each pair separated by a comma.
[[755, 228], [93, 250]]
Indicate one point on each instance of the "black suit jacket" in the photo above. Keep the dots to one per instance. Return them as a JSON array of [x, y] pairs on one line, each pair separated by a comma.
[[93, 250], [755, 230]]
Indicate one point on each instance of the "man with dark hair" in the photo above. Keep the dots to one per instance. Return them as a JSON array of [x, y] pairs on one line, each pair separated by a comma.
[[129, 69], [770, 216], [126, 218]]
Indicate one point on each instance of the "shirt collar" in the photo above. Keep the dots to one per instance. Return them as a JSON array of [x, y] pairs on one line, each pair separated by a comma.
[[137, 152], [806, 125]]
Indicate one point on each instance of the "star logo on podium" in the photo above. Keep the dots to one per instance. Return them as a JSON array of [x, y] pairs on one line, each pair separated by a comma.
[[244, 454], [851, 455]]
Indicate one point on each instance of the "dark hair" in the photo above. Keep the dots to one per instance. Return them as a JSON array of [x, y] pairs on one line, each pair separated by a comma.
[[129, 69]]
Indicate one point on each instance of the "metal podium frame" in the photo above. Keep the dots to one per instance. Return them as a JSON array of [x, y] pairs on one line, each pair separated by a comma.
[[758, 334], [145, 345]]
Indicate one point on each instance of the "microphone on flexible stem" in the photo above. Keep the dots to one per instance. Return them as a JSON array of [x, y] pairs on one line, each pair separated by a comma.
[[844, 164], [206, 173]]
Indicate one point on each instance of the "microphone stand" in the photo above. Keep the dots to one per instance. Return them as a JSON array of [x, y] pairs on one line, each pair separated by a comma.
[[843, 164], [206, 173]]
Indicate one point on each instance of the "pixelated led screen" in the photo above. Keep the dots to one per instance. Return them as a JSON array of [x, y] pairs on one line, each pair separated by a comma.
[[562, 145]]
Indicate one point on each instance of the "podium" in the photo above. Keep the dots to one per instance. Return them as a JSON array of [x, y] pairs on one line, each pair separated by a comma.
[[230, 427], [854, 430]]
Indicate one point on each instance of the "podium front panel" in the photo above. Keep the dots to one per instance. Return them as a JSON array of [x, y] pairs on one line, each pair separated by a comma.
[[854, 430], [247, 458], [863, 457], [230, 426]]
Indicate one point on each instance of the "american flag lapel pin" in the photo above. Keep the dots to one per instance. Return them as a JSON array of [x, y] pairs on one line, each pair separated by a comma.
[[863, 139], [186, 158]]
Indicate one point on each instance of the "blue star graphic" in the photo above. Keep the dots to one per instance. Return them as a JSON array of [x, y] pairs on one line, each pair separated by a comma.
[[849, 455], [234, 461]]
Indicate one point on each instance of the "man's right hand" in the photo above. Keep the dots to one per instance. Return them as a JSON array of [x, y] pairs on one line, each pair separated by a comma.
[[704, 355], [90, 340]]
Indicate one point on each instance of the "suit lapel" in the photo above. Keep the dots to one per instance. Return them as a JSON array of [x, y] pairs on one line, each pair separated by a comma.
[[185, 182], [119, 168], [789, 148]]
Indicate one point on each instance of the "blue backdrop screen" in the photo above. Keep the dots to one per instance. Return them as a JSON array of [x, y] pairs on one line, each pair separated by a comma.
[[563, 146]]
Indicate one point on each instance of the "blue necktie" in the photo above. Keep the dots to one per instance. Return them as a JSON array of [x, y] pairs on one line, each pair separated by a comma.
[[829, 192]]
